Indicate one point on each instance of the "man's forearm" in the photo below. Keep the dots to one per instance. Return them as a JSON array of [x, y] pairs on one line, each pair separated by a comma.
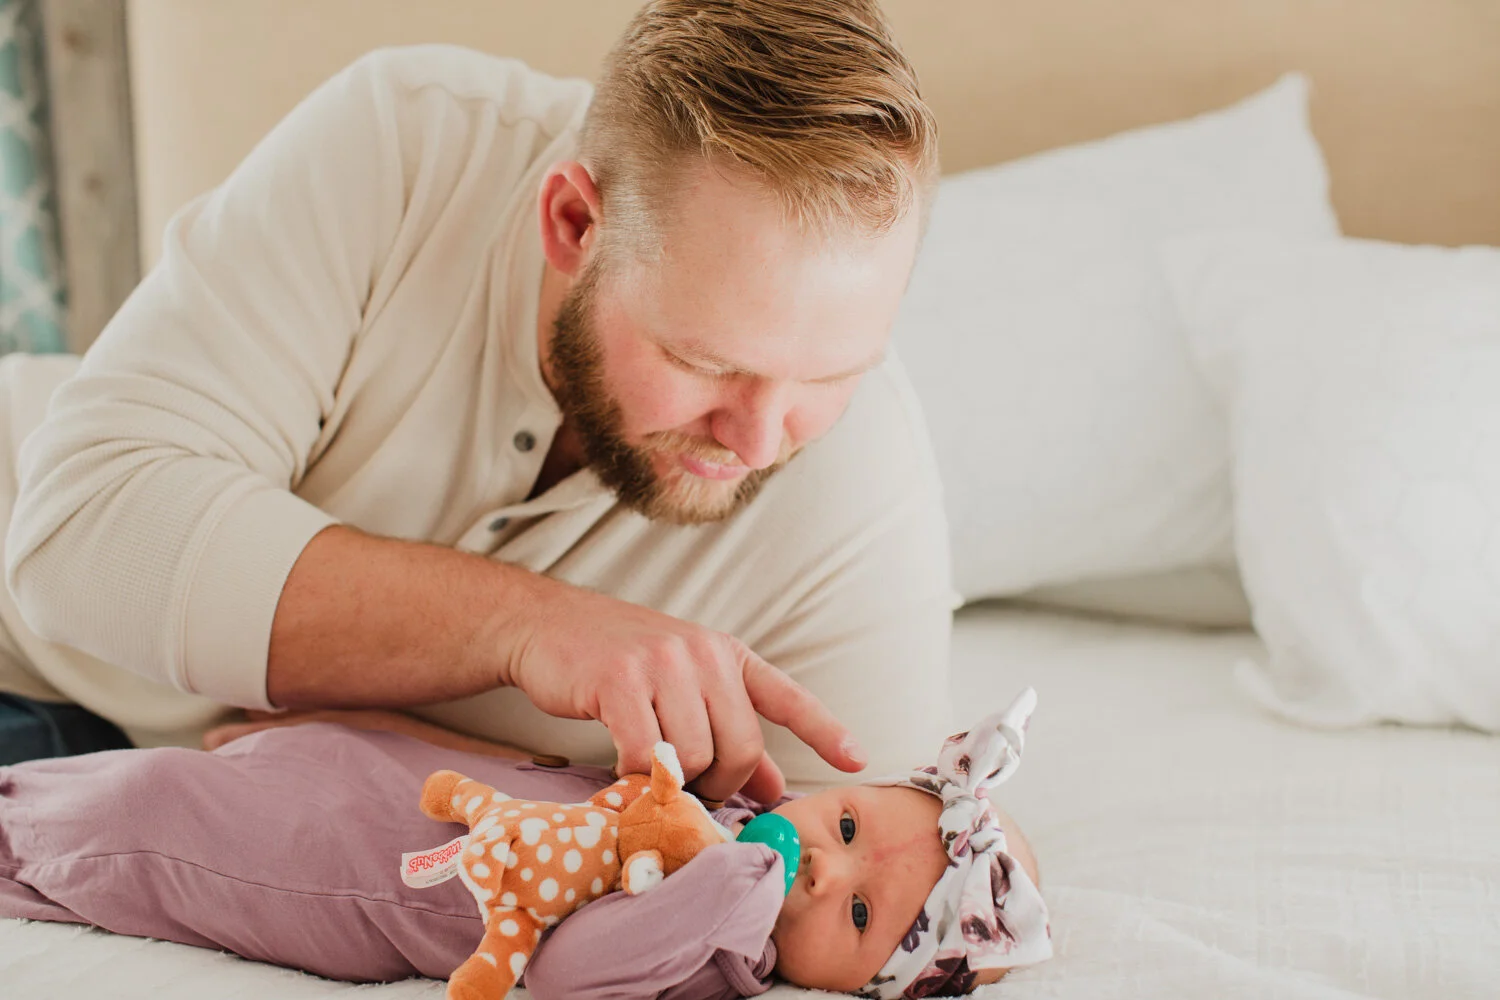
[[373, 622], [373, 719]]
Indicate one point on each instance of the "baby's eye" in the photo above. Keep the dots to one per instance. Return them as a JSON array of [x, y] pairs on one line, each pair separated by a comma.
[[861, 914], [846, 827]]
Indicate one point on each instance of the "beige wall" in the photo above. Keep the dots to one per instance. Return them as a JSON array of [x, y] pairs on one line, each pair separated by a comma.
[[1406, 92]]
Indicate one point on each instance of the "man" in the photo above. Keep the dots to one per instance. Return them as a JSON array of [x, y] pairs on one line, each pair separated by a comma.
[[470, 392]]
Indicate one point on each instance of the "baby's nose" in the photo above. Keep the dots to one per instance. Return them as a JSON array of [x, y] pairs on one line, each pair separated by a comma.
[[826, 873]]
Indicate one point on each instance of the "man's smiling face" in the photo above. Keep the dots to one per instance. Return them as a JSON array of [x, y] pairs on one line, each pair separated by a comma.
[[692, 374]]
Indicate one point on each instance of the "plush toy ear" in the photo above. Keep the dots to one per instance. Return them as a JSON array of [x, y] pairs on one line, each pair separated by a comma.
[[666, 773]]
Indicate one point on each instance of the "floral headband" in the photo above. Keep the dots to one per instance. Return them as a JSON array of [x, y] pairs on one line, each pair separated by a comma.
[[984, 912]]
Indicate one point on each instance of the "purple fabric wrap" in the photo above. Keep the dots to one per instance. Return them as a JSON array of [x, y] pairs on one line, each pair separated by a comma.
[[720, 919], [285, 847]]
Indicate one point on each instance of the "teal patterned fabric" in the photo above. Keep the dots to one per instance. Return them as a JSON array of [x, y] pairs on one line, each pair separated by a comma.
[[31, 273]]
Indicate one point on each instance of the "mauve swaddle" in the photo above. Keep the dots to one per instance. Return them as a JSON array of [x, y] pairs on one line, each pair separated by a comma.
[[284, 847]]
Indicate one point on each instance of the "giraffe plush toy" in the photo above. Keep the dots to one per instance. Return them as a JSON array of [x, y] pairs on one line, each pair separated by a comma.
[[530, 864]]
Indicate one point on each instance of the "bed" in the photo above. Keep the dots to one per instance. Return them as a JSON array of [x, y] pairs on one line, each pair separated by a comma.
[[1191, 844]]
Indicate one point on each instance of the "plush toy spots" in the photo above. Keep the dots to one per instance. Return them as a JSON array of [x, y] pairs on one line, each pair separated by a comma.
[[530, 864]]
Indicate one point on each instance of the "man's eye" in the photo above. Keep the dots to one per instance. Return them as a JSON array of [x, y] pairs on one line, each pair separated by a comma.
[[846, 827], [861, 914], [696, 369]]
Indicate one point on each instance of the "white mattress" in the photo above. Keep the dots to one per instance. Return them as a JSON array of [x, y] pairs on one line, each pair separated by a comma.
[[1191, 847]]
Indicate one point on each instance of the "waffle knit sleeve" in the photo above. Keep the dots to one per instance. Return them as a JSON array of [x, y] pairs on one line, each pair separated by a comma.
[[155, 524]]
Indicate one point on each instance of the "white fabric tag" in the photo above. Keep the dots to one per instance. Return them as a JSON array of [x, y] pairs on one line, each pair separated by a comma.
[[420, 869]]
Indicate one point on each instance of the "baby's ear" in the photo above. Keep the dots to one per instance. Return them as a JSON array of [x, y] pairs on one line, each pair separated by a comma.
[[666, 773]]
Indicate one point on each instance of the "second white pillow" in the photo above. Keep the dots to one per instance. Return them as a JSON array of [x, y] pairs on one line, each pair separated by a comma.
[[1075, 440], [1362, 382]]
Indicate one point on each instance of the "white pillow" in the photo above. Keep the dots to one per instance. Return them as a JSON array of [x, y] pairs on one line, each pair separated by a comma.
[[1362, 382], [1074, 439]]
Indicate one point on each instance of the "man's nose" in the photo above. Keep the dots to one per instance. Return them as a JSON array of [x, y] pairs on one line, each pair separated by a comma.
[[753, 424]]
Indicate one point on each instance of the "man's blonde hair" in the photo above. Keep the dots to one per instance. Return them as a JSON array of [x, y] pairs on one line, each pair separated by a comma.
[[812, 98]]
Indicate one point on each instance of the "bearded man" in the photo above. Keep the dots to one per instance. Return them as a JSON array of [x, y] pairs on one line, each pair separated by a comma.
[[550, 414]]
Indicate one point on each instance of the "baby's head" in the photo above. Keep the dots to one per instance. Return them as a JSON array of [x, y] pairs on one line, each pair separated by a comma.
[[870, 856], [866, 913]]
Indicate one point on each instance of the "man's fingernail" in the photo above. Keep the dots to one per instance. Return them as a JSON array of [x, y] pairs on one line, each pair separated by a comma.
[[853, 750]]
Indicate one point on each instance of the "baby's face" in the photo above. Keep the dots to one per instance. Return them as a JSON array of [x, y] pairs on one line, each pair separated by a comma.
[[870, 857]]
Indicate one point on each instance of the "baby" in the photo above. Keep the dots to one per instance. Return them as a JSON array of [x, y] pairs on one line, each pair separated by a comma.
[[907, 886], [883, 908]]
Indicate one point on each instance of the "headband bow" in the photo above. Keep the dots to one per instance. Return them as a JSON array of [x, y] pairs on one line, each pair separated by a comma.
[[984, 912]]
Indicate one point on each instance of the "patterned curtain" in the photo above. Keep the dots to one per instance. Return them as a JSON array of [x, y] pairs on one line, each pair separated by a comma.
[[31, 272]]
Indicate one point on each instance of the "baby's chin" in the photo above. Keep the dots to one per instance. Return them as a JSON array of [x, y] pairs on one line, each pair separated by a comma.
[[784, 931]]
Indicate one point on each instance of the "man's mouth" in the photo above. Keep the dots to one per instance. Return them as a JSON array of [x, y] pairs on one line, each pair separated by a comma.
[[712, 470]]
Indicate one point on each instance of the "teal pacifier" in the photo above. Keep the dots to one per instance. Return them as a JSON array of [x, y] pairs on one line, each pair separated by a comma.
[[777, 833]]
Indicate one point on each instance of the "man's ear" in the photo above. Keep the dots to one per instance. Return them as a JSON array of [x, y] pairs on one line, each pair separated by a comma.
[[568, 209]]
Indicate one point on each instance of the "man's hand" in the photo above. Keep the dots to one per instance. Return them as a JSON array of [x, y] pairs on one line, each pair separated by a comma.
[[649, 677], [421, 624]]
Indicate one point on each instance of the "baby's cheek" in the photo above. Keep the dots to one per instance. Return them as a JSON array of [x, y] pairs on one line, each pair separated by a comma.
[[807, 958]]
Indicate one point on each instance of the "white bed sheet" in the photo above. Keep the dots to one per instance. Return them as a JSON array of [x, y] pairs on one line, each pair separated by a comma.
[[1191, 847]]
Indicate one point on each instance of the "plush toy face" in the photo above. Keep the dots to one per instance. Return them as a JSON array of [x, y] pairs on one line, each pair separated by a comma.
[[529, 864], [666, 821]]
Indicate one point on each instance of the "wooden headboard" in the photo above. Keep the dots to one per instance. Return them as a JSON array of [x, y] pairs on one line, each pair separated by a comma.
[[1406, 93]]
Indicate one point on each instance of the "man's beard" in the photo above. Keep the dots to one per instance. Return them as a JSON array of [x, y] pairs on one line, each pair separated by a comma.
[[679, 497]]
